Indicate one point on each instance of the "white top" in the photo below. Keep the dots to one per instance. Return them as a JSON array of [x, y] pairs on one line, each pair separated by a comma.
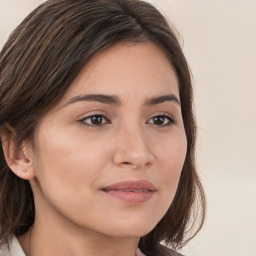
[[16, 250]]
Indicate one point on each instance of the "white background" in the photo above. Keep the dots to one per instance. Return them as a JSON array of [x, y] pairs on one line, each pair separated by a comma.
[[219, 41]]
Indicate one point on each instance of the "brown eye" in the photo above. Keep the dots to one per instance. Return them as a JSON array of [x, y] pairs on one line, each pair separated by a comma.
[[161, 120], [97, 120], [94, 120]]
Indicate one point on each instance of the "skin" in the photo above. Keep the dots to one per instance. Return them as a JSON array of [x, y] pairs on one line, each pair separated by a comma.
[[74, 159]]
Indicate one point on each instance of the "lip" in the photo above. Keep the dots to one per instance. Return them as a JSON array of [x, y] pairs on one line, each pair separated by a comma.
[[134, 192]]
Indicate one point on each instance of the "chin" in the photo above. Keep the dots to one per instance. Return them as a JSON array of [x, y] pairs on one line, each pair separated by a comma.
[[131, 228]]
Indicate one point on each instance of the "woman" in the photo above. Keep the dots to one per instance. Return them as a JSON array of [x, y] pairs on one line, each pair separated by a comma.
[[97, 133]]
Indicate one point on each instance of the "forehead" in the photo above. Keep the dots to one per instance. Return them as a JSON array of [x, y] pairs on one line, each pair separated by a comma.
[[127, 68]]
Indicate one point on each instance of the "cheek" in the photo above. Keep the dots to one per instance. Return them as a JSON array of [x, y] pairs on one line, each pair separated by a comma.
[[68, 152], [171, 157], [67, 165]]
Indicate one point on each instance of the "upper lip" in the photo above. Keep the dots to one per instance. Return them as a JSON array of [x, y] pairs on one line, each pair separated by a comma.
[[132, 185]]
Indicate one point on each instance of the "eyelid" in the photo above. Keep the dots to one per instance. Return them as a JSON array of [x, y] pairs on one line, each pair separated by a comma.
[[92, 113], [161, 114]]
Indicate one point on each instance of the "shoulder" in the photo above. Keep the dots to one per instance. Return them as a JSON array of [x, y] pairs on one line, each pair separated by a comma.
[[4, 251], [168, 252], [163, 251], [14, 248]]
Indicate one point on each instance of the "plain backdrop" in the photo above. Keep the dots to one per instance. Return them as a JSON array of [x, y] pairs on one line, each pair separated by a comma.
[[219, 41]]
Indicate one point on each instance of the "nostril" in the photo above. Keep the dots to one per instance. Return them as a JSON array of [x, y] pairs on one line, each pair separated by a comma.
[[135, 166], [147, 164], [130, 165]]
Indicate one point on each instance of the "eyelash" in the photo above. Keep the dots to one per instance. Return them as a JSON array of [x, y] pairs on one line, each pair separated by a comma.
[[83, 120], [170, 120]]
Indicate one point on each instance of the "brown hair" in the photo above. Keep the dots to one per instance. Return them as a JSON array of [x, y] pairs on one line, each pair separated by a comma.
[[37, 65]]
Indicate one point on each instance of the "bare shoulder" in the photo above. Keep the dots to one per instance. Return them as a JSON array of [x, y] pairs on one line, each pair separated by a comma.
[[169, 252]]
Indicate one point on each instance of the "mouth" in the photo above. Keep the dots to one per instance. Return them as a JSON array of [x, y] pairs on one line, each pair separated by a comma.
[[133, 192]]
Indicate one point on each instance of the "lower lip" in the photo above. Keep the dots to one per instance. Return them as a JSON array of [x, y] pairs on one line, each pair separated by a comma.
[[131, 197]]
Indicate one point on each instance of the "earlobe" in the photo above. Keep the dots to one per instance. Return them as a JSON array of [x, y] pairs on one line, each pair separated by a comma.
[[18, 159]]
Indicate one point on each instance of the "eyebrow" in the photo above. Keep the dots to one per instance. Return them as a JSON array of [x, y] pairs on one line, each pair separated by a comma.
[[114, 100], [162, 99], [106, 99]]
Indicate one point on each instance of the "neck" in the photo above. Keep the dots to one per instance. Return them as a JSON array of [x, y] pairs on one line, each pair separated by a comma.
[[36, 242], [53, 234], [49, 237]]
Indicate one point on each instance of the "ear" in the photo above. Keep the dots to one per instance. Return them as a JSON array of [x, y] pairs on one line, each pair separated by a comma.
[[19, 159]]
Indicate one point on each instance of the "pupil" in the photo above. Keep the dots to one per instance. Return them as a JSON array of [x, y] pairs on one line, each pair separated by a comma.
[[97, 120], [159, 120]]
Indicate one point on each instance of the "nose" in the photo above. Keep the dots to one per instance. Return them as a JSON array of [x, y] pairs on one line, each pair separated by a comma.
[[132, 150]]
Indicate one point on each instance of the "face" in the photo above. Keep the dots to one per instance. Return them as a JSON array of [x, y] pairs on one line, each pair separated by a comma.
[[109, 154]]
